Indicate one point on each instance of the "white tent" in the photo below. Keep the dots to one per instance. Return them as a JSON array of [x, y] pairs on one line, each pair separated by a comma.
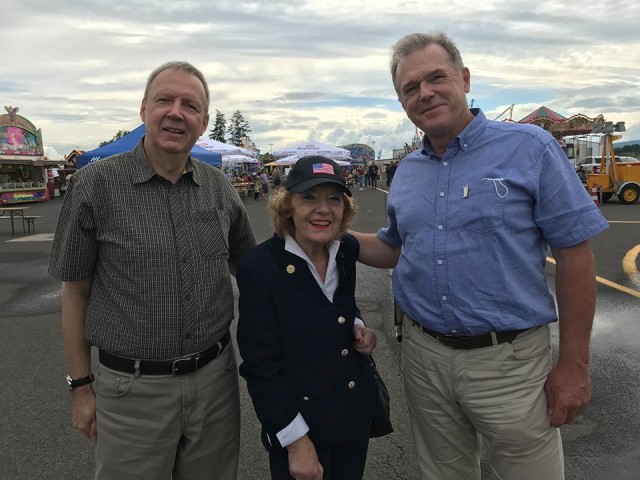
[[237, 159], [312, 147], [224, 148], [292, 159]]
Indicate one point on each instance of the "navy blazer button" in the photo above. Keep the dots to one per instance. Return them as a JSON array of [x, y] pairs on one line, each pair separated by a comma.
[[344, 352], [291, 269], [352, 384], [341, 320]]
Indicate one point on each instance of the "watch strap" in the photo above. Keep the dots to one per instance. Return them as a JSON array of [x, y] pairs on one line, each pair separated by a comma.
[[79, 382]]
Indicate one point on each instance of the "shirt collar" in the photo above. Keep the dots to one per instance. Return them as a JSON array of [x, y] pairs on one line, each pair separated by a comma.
[[291, 246], [141, 170], [331, 280], [466, 137]]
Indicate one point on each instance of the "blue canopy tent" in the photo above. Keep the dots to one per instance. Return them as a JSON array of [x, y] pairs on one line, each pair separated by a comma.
[[130, 140]]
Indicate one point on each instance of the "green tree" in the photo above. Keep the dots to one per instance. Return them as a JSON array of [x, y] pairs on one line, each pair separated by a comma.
[[117, 136], [219, 128], [238, 129], [632, 150]]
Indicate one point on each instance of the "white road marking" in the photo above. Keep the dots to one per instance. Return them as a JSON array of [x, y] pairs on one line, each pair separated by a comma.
[[36, 237], [609, 283], [629, 265]]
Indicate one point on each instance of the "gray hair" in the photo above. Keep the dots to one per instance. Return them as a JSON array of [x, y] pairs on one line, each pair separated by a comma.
[[181, 67], [417, 41]]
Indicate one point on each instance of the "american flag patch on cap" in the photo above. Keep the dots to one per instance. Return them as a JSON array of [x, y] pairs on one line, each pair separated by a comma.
[[323, 168]]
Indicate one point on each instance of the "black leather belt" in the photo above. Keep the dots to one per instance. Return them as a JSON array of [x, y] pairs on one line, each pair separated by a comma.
[[470, 342], [175, 366]]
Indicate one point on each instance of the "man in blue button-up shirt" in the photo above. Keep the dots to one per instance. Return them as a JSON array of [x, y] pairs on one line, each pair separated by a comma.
[[472, 216]]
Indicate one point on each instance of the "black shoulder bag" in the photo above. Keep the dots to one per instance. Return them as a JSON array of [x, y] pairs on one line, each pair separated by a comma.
[[381, 421]]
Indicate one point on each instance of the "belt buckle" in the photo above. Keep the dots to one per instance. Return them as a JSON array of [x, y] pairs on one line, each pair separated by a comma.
[[452, 336], [175, 367], [456, 338], [459, 342]]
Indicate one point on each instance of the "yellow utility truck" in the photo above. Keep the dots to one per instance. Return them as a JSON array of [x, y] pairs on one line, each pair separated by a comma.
[[614, 177]]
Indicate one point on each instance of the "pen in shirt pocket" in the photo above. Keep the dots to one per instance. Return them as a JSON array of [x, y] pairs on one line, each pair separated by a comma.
[[465, 191]]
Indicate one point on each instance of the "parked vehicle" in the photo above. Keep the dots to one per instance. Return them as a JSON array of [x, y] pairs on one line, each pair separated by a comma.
[[587, 163], [621, 178]]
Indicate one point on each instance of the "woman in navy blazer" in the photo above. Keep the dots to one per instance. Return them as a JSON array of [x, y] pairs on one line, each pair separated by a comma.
[[304, 349]]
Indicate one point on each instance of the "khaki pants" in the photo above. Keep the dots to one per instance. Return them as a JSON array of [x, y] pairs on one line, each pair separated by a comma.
[[161, 427], [458, 397]]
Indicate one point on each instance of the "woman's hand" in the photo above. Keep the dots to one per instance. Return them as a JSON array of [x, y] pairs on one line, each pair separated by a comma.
[[365, 339], [303, 460]]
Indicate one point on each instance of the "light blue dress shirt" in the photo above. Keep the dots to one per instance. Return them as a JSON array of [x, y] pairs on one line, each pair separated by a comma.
[[475, 227]]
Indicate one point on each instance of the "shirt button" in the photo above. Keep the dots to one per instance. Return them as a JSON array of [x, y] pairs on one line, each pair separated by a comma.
[[187, 296], [442, 194], [444, 164], [305, 398], [465, 145], [352, 384], [440, 262], [341, 320], [440, 227], [444, 298], [344, 352]]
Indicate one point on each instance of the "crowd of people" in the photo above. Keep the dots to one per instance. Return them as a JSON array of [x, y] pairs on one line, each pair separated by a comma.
[[363, 175], [148, 240]]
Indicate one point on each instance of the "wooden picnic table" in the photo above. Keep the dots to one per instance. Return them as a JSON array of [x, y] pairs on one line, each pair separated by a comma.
[[243, 188], [14, 212]]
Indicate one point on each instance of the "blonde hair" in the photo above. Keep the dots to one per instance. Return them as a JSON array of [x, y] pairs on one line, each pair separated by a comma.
[[280, 212]]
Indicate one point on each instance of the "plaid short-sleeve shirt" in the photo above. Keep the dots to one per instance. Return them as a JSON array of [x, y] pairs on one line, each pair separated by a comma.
[[157, 254]]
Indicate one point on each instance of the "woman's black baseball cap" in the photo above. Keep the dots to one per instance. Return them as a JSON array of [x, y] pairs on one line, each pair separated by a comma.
[[315, 170]]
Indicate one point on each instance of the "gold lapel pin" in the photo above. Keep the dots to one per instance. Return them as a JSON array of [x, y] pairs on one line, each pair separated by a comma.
[[291, 269]]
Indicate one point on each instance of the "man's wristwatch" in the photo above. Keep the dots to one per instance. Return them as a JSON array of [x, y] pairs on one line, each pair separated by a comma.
[[79, 382]]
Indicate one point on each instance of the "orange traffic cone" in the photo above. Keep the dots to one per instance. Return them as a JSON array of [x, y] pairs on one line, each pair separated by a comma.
[[594, 195]]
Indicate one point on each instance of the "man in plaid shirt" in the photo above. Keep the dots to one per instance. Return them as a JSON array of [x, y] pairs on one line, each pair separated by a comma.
[[145, 246]]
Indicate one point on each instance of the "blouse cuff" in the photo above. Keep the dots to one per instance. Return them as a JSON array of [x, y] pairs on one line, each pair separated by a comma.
[[297, 429]]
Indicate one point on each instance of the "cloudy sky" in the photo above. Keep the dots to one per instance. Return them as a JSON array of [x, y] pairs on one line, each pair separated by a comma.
[[310, 69]]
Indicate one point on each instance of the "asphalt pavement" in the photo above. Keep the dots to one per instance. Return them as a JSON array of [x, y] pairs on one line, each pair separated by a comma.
[[37, 440]]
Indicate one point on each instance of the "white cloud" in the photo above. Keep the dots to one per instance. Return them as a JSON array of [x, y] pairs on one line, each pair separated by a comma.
[[300, 69]]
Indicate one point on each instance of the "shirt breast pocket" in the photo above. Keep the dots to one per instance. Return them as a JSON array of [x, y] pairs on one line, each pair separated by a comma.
[[212, 227], [482, 205]]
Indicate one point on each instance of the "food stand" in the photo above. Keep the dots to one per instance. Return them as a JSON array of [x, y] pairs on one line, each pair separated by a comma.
[[23, 173]]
